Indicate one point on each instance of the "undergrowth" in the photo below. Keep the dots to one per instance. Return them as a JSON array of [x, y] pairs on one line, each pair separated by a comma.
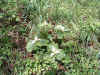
[[49, 37]]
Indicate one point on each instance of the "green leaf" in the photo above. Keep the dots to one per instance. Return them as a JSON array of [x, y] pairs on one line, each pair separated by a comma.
[[42, 42], [51, 73], [60, 35], [1, 63], [61, 56], [29, 46], [17, 19], [69, 43]]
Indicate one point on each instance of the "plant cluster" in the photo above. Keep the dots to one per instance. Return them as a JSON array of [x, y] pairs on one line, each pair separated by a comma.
[[49, 37]]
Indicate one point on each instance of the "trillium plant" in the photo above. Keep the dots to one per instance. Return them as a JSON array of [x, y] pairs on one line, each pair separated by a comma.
[[60, 27], [31, 43], [54, 51]]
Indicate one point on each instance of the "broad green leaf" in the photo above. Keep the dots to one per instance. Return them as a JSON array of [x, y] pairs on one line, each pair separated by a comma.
[[61, 56], [29, 46]]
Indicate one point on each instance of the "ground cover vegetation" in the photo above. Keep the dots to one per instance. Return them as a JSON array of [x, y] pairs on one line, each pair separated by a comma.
[[49, 37]]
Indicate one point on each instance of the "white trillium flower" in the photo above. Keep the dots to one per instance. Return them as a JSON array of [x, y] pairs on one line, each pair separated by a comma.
[[30, 44], [31, 1], [35, 39], [60, 27], [44, 24], [54, 51]]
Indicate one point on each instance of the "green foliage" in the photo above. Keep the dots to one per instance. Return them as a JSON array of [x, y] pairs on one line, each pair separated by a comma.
[[49, 37]]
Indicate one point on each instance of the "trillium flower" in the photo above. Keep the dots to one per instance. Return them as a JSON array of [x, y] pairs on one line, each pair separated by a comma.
[[35, 39], [54, 51], [44, 24], [30, 44], [60, 27], [31, 1]]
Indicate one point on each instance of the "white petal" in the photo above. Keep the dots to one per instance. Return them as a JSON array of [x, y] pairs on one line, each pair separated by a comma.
[[53, 49], [57, 51], [36, 38], [60, 27], [52, 54], [33, 41]]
